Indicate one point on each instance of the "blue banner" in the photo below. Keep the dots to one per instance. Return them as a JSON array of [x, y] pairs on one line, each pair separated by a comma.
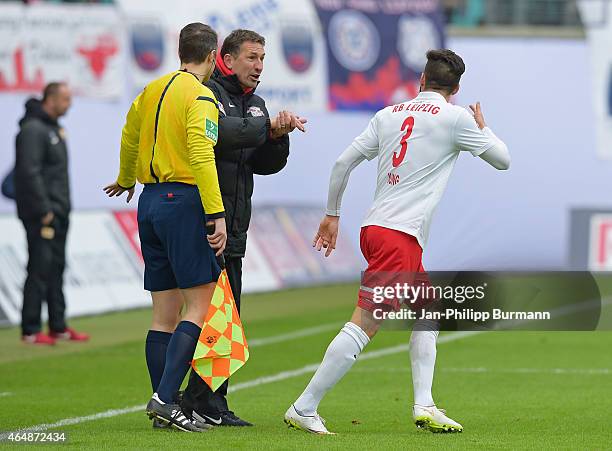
[[376, 49]]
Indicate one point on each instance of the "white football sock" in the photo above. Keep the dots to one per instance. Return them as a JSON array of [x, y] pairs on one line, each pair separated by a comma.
[[423, 360], [339, 358]]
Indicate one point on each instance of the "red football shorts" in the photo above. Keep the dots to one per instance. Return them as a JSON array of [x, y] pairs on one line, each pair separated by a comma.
[[393, 258]]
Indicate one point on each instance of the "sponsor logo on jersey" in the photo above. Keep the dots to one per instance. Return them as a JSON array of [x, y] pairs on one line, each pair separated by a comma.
[[221, 108], [147, 45], [255, 111], [354, 40], [298, 47]]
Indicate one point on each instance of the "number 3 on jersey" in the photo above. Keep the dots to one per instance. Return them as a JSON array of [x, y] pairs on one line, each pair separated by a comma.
[[408, 123]]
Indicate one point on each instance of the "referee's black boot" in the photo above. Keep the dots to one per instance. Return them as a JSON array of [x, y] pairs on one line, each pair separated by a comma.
[[171, 414], [160, 425]]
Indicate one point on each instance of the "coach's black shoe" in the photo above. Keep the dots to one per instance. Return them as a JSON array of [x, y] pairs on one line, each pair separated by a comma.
[[208, 419], [226, 418], [171, 414]]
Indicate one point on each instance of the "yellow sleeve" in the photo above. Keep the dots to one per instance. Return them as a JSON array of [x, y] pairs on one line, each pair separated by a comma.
[[129, 147], [202, 134]]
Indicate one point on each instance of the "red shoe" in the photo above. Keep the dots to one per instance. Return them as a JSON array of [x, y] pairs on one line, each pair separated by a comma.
[[38, 339], [69, 334]]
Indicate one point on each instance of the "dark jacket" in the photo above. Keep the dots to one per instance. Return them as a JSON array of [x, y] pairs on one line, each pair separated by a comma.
[[41, 165], [243, 149]]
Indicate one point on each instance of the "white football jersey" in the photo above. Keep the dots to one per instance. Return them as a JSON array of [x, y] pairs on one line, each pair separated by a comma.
[[417, 143]]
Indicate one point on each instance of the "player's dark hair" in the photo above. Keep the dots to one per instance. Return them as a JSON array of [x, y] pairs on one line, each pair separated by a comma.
[[196, 41], [443, 70], [233, 41], [52, 89]]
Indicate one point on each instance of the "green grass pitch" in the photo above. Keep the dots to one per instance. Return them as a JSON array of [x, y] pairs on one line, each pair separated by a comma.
[[510, 390]]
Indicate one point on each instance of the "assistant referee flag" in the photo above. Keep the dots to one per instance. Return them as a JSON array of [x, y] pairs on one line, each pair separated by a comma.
[[222, 348]]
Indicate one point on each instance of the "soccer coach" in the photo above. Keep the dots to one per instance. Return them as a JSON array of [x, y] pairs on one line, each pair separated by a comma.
[[249, 143]]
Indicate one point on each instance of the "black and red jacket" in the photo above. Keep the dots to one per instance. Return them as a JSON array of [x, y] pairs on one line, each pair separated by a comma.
[[244, 148]]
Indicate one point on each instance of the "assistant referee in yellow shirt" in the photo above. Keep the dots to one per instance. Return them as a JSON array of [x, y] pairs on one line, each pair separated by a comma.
[[167, 144]]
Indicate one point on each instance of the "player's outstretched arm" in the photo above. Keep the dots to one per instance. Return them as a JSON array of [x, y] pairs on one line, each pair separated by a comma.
[[328, 229], [349, 160]]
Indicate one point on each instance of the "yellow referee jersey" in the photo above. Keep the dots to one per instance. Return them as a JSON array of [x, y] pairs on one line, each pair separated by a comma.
[[169, 135]]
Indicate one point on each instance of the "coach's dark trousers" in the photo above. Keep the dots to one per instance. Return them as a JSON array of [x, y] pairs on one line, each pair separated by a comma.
[[198, 395], [46, 263]]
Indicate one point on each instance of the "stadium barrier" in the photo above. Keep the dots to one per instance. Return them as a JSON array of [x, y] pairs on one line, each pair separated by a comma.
[[591, 239], [105, 268]]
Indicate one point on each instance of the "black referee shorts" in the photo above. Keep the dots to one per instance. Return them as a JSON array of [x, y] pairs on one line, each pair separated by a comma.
[[172, 230]]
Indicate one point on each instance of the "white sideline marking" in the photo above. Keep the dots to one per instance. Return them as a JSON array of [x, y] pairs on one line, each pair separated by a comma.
[[76, 420], [236, 387], [5, 393], [293, 335], [581, 371], [365, 356]]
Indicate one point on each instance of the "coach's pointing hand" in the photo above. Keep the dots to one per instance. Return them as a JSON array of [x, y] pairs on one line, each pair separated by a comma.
[[218, 239], [327, 234]]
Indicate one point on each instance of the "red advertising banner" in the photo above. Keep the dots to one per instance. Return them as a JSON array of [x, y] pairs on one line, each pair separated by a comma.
[[79, 44]]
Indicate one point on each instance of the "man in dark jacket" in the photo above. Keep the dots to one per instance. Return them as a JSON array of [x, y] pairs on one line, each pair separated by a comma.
[[42, 194], [249, 143]]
